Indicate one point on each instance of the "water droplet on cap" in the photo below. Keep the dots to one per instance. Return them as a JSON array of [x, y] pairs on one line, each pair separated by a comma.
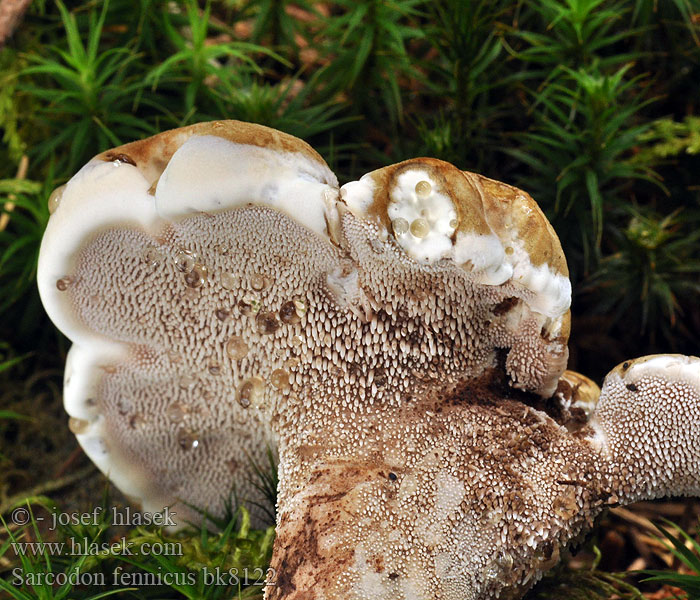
[[63, 283], [420, 228], [177, 412], [196, 276], [136, 421], [289, 313], [251, 392], [185, 260], [77, 426], [214, 367], [151, 255], [257, 282], [423, 189], [236, 348], [186, 382], [279, 378], [55, 198], [186, 439], [229, 281], [267, 323], [400, 226]]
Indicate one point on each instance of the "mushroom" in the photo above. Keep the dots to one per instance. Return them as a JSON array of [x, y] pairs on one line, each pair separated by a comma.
[[400, 340]]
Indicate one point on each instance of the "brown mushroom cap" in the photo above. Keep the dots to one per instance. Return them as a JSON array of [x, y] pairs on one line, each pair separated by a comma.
[[497, 235]]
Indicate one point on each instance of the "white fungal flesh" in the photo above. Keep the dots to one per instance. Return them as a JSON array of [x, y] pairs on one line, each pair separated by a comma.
[[208, 174], [359, 195], [431, 216]]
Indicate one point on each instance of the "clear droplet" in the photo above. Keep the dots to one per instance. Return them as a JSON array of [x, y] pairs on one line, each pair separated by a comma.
[[63, 283], [185, 260], [257, 282], [196, 276], [297, 341], [289, 313], [229, 281], [291, 363], [177, 412], [400, 226], [454, 223], [236, 348], [423, 189], [222, 249], [214, 367], [249, 305], [192, 294], [251, 392], [143, 319], [55, 198], [186, 382], [136, 421], [279, 378], [420, 228], [187, 439], [151, 255], [222, 314], [77, 426], [267, 323]]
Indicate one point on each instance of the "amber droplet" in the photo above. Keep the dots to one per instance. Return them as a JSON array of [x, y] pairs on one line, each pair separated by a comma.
[[63, 283], [289, 314], [197, 276], [186, 439], [423, 189], [267, 323], [77, 426], [250, 392], [55, 198], [279, 378], [236, 348], [257, 282], [420, 228], [222, 314], [214, 367], [136, 421]]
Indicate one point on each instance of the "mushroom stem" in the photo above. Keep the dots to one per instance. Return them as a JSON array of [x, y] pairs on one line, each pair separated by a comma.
[[648, 422]]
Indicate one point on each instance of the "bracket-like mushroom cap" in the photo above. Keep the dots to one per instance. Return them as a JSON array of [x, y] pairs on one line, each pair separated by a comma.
[[130, 272], [497, 234]]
